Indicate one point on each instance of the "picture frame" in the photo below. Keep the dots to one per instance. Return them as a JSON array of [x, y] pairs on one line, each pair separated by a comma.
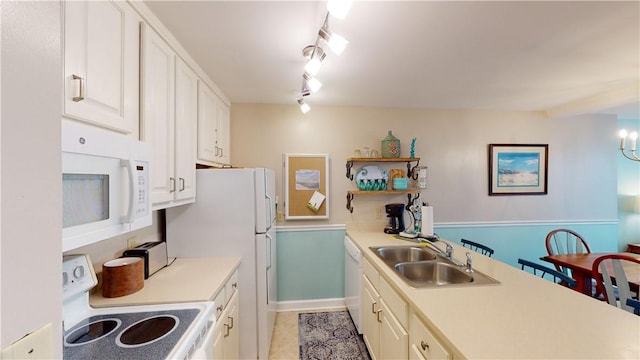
[[518, 169], [306, 187]]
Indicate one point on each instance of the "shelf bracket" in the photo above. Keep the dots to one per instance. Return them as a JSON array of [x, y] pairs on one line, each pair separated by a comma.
[[411, 171], [411, 200], [349, 199], [349, 174]]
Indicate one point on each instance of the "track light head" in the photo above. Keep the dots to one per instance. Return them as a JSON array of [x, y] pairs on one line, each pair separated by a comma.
[[304, 107], [311, 83], [316, 55], [338, 8], [336, 43]]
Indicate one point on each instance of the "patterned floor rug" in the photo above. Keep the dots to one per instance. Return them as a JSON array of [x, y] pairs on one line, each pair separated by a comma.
[[330, 336]]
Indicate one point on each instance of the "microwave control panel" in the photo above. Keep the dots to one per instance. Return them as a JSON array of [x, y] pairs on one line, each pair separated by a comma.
[[142, 172]]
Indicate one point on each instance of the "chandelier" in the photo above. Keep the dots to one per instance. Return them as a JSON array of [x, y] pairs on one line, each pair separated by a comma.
[[633, 136]]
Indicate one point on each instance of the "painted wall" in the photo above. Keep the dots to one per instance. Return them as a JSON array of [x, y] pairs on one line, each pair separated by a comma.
[[453, 144], [628, 192], [31, 192]]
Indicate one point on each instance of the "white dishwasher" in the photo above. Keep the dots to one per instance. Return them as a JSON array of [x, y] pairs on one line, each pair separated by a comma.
[[353, 281]]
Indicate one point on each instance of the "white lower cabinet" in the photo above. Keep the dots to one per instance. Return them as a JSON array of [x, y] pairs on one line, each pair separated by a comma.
[[384, 318], [390, 327], [226, 339], [423, 343]]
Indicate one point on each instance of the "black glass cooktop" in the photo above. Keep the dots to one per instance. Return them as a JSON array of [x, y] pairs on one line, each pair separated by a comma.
[[141, 335]]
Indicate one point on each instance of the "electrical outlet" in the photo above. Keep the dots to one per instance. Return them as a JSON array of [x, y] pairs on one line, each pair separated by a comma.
[[37, 345], [378, 213], [132, 242]]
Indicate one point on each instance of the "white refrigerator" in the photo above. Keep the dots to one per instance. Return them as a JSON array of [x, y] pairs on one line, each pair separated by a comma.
[[234, 215]]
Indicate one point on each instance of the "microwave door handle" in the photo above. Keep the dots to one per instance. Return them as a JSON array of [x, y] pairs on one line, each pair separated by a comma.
[[133, 190]]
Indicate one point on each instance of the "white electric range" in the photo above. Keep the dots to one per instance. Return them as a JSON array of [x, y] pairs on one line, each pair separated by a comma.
[[162, 331]]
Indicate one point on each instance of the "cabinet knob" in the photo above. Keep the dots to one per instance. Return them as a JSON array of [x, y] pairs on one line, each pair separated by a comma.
[[378, 315], [424, 345], [219, 309], [234, 285], [373, 307]]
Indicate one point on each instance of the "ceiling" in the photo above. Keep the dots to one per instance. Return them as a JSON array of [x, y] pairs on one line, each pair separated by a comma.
[[555, 56]]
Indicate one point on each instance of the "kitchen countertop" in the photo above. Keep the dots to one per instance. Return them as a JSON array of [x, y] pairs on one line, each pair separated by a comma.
[[525, 317], [185, 280]]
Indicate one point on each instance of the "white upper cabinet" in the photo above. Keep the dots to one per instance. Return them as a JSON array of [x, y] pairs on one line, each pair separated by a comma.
[[186, 128], [169, 95], [101, 64], [213, 128]]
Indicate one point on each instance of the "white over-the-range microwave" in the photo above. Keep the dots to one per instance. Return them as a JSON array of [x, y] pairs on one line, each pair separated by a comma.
[[105, 185]]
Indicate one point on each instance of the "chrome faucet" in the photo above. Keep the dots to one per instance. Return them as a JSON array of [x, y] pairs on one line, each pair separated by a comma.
[[448, 253], [469, 268]]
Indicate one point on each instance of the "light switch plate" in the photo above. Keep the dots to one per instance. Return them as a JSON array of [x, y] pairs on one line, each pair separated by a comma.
[[37, 345]]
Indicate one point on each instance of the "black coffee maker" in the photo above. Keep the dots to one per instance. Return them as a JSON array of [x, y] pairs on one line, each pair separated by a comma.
[[395, 213]]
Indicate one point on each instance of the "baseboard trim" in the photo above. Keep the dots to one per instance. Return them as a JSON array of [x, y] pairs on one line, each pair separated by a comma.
[[316, 304]]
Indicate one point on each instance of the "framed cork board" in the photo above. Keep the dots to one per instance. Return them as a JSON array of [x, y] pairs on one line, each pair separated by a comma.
[[306, 186]]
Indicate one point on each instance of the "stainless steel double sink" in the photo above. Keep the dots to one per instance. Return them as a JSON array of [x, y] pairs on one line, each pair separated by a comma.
[[422, 267]]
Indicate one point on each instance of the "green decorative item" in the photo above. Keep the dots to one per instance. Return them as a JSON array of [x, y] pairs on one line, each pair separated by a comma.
[[412, 153], [390, 146]]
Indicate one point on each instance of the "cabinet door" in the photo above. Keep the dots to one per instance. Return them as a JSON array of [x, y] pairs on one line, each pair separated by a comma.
[[185, 130], [213, 127], [158, 121], [223, 133], [232, 341], [370, 316], [101, 64], [207, 124], [218, 339], [394, 339]]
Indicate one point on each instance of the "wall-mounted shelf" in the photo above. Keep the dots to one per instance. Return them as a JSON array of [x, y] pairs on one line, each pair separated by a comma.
[[411, 174], [352, 193]]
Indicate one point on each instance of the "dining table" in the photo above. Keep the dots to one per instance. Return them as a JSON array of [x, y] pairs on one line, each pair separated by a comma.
[[581, 266]]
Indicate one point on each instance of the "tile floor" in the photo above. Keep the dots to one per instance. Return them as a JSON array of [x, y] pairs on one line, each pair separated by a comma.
[[284, 341]]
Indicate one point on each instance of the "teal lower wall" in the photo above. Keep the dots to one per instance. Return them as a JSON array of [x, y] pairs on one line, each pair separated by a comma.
[[311, 263]]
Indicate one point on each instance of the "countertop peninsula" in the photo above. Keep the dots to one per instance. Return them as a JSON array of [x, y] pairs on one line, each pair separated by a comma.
[[525, 317]]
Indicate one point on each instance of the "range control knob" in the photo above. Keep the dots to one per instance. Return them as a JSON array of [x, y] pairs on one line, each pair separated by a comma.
[[78, 272]]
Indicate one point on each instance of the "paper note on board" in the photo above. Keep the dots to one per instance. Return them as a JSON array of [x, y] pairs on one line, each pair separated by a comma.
[[316, 201]]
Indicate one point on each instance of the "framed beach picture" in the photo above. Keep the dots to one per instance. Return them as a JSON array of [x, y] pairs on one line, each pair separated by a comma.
[[518, 169]]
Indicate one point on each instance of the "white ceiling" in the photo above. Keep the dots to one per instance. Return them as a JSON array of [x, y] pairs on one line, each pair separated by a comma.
[[561, 57]]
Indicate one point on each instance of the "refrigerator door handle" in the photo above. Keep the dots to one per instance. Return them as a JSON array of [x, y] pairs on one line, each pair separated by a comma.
[[271, 215], [270, 240]]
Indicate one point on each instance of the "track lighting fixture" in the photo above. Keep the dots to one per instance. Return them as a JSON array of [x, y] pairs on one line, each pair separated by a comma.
[[316, 54]]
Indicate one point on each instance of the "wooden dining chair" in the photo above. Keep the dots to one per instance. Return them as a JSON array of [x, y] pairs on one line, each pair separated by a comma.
[[541, 270], [565, 241], [482, 249], [610, 272]]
